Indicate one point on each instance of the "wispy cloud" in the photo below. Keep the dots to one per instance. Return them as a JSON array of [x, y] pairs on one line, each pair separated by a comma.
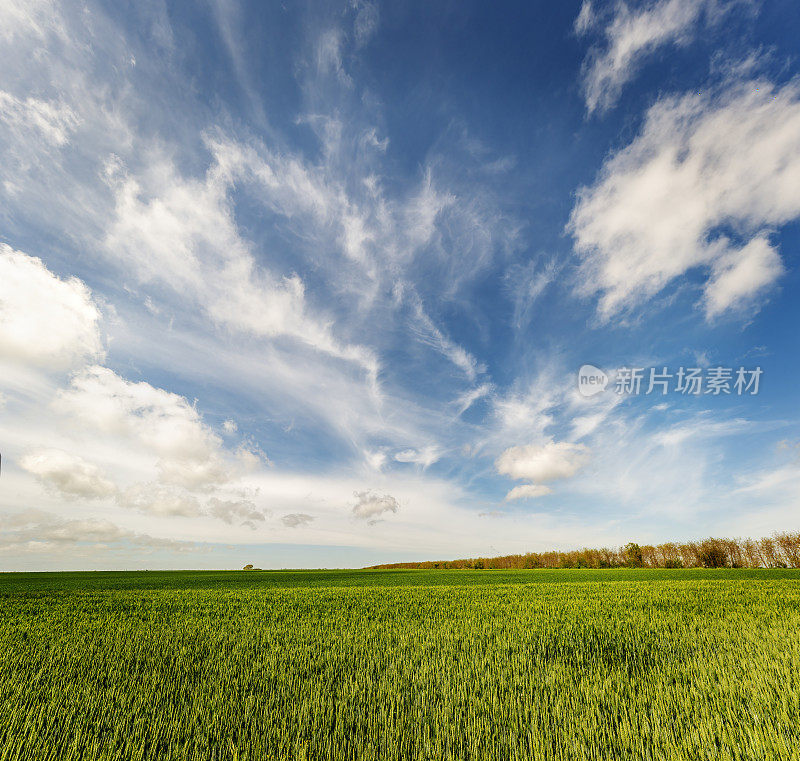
[[633, 34], [214, 258]]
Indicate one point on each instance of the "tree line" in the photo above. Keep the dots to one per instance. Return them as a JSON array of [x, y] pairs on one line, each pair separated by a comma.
[[781, 550]]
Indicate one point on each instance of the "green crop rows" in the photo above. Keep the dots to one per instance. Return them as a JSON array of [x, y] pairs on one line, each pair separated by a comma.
[[409, 665]]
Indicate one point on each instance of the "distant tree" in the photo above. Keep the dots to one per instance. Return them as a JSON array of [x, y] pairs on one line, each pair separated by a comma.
[[752, 553], [782, 550], [713, 555], [789, 545], [632, 553], [770, 552], [248, 567], [649, 556]]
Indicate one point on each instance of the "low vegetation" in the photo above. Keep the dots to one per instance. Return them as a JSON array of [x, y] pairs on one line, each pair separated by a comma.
[[388, 666], [781, 550]]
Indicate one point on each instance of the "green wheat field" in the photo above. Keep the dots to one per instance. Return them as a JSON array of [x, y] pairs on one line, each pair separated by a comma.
[[381, 665]]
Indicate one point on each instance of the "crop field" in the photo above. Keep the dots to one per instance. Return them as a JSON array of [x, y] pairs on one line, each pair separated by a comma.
[[461, 665]]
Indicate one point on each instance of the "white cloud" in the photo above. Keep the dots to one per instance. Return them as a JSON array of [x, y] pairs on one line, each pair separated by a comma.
[[366, 21], [68, 474], [181, 232], [44, 321], [586, 18], [425, 208], [156, 499], [164, 501], [36, 17], [279, 248], [528, 491], [527, 411], [293, 520], [433, 336], [37, 532], [550, 462], [705, 171], [425, 456], [165, 424], [526, 283], [241, 511], [375, 460], [52, 120], [329, 56], [783, 479], [464, 401], [741, 276], [632, 35], [370, 505]]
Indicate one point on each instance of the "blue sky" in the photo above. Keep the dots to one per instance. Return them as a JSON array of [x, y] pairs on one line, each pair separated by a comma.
[[310, 284]]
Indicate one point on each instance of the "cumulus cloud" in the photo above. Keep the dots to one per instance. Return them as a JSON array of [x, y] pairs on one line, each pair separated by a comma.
[[168, 501], [739, 277], [189, 452], [370, 505], [541, 464], [54, 323], [633, 34], [45, 321], [550, 462], [36, 531], [156, 499], [68, 474], [293, 520], [241, 511], [701, 186]]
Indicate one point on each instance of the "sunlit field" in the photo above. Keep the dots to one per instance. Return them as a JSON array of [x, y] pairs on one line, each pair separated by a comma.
[[629, 664]]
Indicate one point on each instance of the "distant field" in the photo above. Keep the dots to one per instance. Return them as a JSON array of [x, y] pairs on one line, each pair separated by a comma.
[[576, 664]]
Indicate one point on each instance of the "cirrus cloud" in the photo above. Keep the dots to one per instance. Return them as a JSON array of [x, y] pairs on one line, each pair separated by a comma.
[[633, 34]]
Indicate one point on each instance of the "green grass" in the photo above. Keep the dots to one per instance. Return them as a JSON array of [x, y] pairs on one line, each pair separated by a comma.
[[401, 665]]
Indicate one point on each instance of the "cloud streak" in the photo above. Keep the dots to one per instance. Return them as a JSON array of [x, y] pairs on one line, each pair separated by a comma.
[[633, 34]]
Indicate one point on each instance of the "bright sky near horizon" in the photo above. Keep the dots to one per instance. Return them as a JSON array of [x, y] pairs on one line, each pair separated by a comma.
[[309, 284]]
